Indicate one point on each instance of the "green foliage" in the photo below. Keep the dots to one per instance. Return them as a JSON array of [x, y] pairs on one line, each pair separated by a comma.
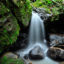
[[25, 10], [22, 10], [8, 32], [6, 60], [17, 2], [3, 9], [55, 7], [9, 28]]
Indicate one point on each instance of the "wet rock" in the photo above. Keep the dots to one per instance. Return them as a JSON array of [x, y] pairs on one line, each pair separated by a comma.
[[56, 53], [56, 36], [53, 43], [56, 39], [10, 55], [36, 53], [26, 57], [42, 13]]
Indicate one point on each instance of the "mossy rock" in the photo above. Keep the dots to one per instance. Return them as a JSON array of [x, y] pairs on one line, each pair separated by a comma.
[[6, 60], [9, 30], [24, 12], [3, 9], [54, 7]]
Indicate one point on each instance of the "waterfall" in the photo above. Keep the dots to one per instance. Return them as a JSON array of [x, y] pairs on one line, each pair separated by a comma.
[[37, 33], [37, 38]]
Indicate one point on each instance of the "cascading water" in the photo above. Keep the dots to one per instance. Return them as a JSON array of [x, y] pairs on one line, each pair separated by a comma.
[[37, 33], [37, 38]]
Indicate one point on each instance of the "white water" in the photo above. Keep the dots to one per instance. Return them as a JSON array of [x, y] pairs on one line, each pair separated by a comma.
[[37, 38], [37, 33]]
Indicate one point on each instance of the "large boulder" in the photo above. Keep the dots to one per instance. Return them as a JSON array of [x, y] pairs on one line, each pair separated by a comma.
[[56, 53], [36, 53]]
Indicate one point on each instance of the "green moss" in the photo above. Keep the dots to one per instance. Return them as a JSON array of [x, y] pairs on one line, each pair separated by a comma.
[[55, 7], [9, 30], [6, 60], [26, 11], [22, 10], [3, 9]]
